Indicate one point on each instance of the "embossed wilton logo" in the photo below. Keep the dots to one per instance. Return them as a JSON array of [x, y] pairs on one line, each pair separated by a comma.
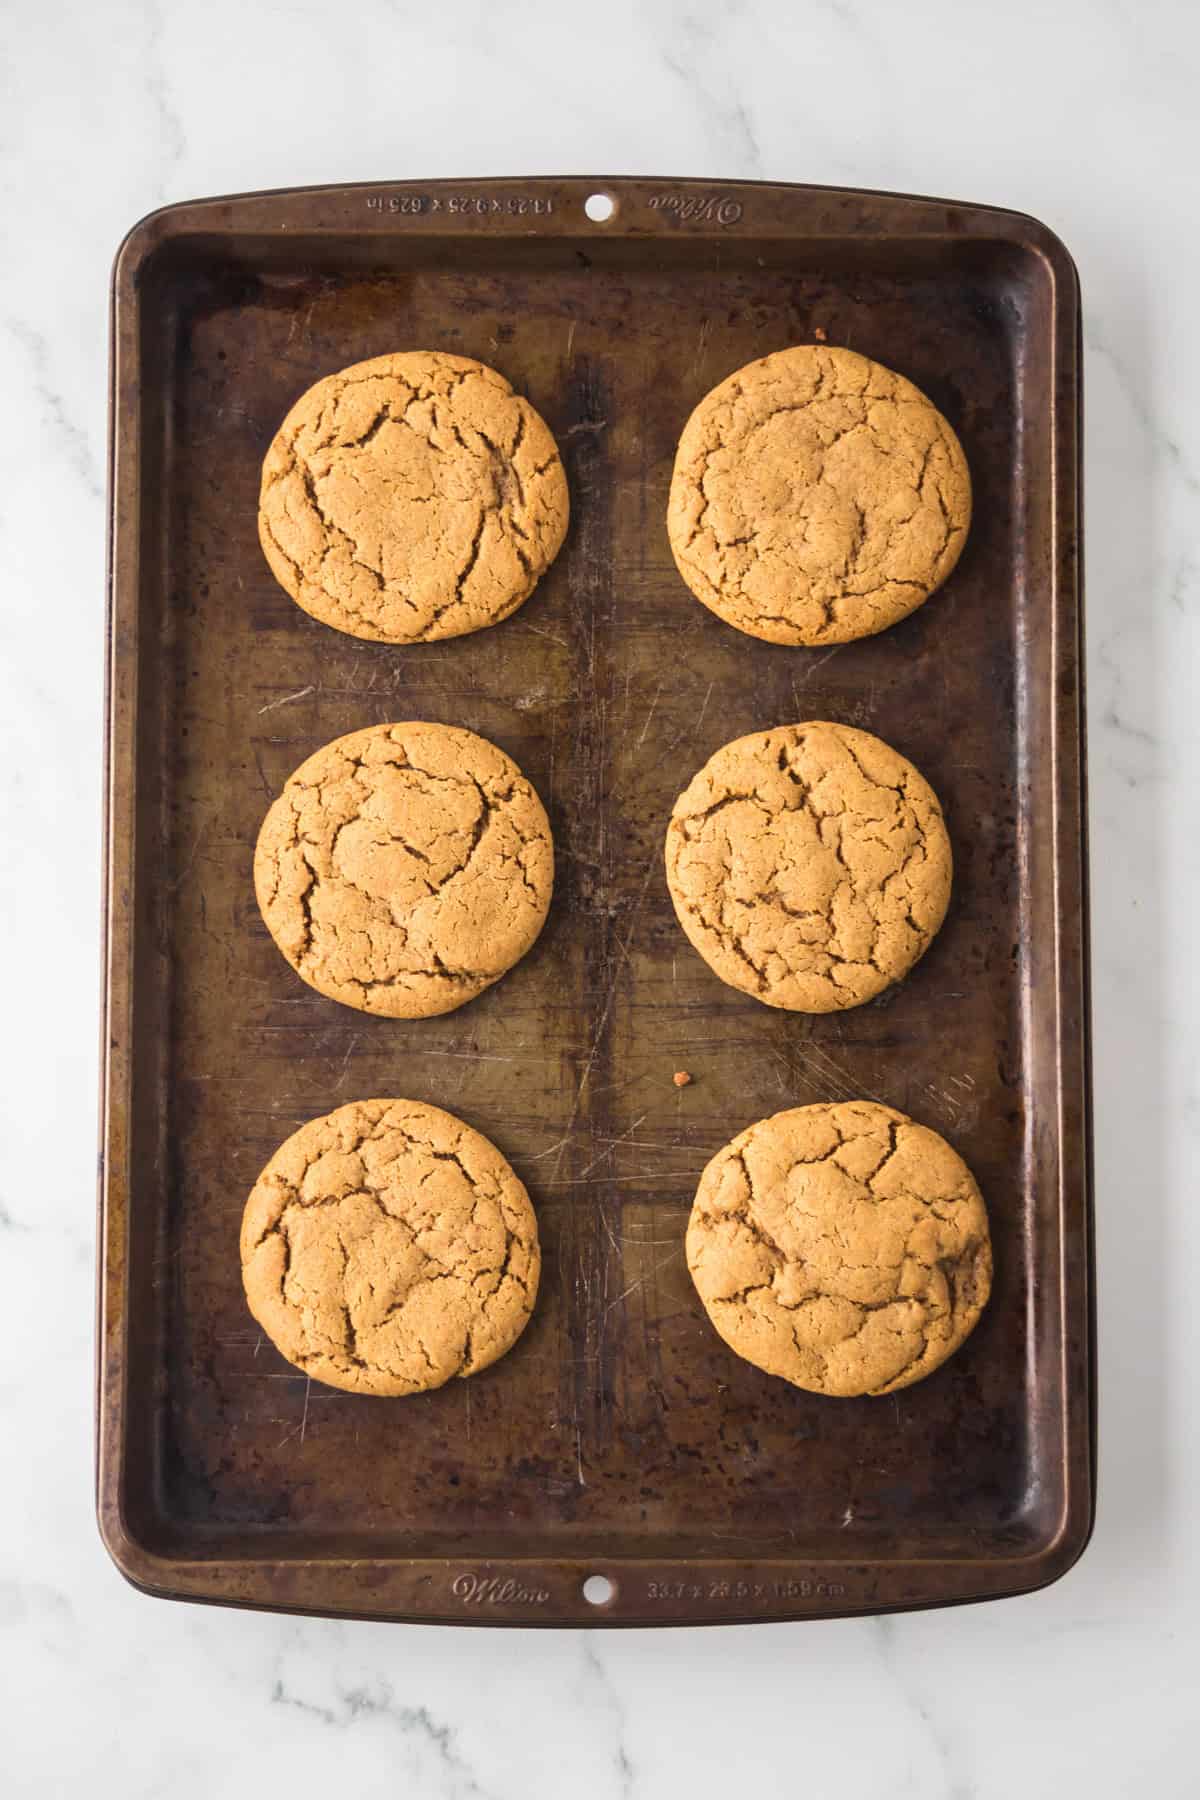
[[695, 209], [481, 1590]]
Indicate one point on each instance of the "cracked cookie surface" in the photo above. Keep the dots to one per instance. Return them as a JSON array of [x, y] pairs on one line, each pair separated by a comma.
[[844, 1248], [817, 497], [809, 865], [388, 1247], [405, 868], [412, 497]]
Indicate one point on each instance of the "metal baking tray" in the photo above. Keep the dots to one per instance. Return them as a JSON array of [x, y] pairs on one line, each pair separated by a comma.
[[620, 1437]]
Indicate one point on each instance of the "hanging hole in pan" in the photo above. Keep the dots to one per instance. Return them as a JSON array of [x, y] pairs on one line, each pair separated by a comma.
[[599, 208], [598, 1590]]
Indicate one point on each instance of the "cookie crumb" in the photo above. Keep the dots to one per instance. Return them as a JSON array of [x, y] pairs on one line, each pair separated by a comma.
[[681, 1078], [819, 333]]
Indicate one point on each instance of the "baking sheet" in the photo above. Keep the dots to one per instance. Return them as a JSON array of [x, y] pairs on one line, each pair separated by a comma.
[[620, 1437]]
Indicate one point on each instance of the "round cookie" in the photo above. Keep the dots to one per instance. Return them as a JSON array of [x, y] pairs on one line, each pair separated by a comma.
[[405, 868], [412, 497], [809, 865], [387, 1247], [817, 497], [842, 1247]]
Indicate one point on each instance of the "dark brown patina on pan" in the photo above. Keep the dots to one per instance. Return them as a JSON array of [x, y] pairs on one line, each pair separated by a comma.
[[620, 1437]]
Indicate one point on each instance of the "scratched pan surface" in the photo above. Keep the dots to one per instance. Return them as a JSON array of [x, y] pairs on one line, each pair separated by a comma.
[[620, 1437]]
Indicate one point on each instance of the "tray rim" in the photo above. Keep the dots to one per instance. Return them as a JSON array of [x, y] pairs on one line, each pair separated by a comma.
[[408, 1588]]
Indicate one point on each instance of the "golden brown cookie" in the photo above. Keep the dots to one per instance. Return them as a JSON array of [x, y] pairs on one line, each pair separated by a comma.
[[405, 868], [387, 1247], [843, 1247], [809, 865], [412, 497], [817, 497]]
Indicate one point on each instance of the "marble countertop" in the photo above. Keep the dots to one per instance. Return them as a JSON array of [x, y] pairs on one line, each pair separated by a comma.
[[1083, 114]]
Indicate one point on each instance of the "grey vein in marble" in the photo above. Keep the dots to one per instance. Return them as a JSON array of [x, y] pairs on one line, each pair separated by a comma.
[[1167, 446], [602, 1680], [72, 438], [172, 138], [415, 1723], [957, 1785], [692, 39]]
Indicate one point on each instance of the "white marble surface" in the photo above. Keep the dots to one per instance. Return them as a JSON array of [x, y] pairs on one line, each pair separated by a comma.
[[1084, 114]]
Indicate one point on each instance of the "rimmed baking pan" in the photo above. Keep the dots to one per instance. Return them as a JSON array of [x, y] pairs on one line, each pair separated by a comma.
[[620, 1438]]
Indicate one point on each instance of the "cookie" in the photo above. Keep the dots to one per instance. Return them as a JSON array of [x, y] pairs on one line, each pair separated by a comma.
[[817, 497], [405, 868], [412, 497], [387, 1247], [843, 1247], [809, 866]]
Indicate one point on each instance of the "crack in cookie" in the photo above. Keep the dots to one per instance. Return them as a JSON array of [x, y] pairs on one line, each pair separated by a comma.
[[388, 1247], [842, 1247], [817, 497], [405, 868], [412, 497], [809, 866]]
